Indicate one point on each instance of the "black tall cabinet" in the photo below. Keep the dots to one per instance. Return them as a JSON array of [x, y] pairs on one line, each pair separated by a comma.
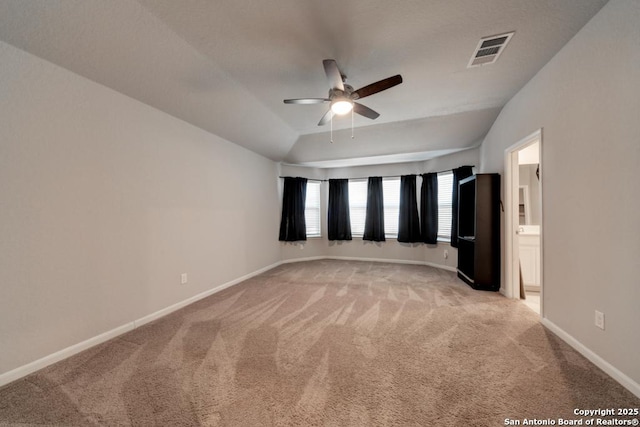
[[479, 231]]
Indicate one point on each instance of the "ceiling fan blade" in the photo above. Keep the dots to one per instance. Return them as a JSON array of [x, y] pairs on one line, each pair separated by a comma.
[[334, 77], [307, 101], [325, 119], [378, 86], [365, 111]]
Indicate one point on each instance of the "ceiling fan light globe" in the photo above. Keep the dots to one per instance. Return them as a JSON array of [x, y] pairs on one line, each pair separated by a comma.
[[341, 106]]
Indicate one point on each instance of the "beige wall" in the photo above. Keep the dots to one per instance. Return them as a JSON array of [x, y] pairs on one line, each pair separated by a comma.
[[105, 202], [587, 101]]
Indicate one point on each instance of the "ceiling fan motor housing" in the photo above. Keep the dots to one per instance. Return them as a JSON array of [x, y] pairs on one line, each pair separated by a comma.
[[346, 93]]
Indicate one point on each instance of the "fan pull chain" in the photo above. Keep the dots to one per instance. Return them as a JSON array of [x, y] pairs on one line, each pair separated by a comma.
[[331, 122], [352, 123]]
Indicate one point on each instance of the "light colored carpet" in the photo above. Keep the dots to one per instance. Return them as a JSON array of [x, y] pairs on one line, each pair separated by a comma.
[[336, 343]]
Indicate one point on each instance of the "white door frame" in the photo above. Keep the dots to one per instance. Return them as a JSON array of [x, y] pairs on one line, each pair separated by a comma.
[[511, 188]]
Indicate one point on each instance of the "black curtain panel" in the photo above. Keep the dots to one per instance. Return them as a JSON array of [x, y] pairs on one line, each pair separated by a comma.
[[458, 175], [429, 208], [374, 219], [408, 221], [293, 226], [338, 220]]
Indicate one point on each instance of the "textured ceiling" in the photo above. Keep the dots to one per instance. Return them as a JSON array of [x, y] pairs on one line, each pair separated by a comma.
[[226, 65]]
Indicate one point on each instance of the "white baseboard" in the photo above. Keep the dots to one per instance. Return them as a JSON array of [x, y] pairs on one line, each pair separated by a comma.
[[311, 258], [167, 310], [612, 371], [29, 368], [395, 261], [440, 266]]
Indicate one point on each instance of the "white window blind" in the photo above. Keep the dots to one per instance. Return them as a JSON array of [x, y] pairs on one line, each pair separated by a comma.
[[357, 205], [445, 190], [391, 202], [312, 209]]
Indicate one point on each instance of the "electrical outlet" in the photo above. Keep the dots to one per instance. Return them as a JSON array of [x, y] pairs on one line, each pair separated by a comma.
[[183, 279], [446, 254], [600, 320]]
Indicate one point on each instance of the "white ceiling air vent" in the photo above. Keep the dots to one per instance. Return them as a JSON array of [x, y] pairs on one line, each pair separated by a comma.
[[489, 49]]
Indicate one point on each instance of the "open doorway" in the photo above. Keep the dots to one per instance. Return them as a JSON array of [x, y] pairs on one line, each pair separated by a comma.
[[523, 221]]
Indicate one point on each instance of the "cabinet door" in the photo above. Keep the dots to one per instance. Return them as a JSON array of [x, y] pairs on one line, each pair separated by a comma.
[[466, 258], [537, 265], [528, 255]]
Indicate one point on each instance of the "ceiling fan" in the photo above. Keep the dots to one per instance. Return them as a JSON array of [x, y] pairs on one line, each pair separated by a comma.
[[342, 96]]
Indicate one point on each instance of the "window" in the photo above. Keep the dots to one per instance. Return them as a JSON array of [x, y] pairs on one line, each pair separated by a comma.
[[312, 209], [445, 190], [391, 202], [357, 205]]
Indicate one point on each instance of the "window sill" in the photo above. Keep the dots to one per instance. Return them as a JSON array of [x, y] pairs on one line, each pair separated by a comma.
[[360, 236]]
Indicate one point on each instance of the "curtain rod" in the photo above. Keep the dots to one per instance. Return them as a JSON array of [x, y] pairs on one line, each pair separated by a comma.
[[383, 176]]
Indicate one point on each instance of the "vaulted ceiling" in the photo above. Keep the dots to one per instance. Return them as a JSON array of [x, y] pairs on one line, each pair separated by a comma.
[[226, 65]]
